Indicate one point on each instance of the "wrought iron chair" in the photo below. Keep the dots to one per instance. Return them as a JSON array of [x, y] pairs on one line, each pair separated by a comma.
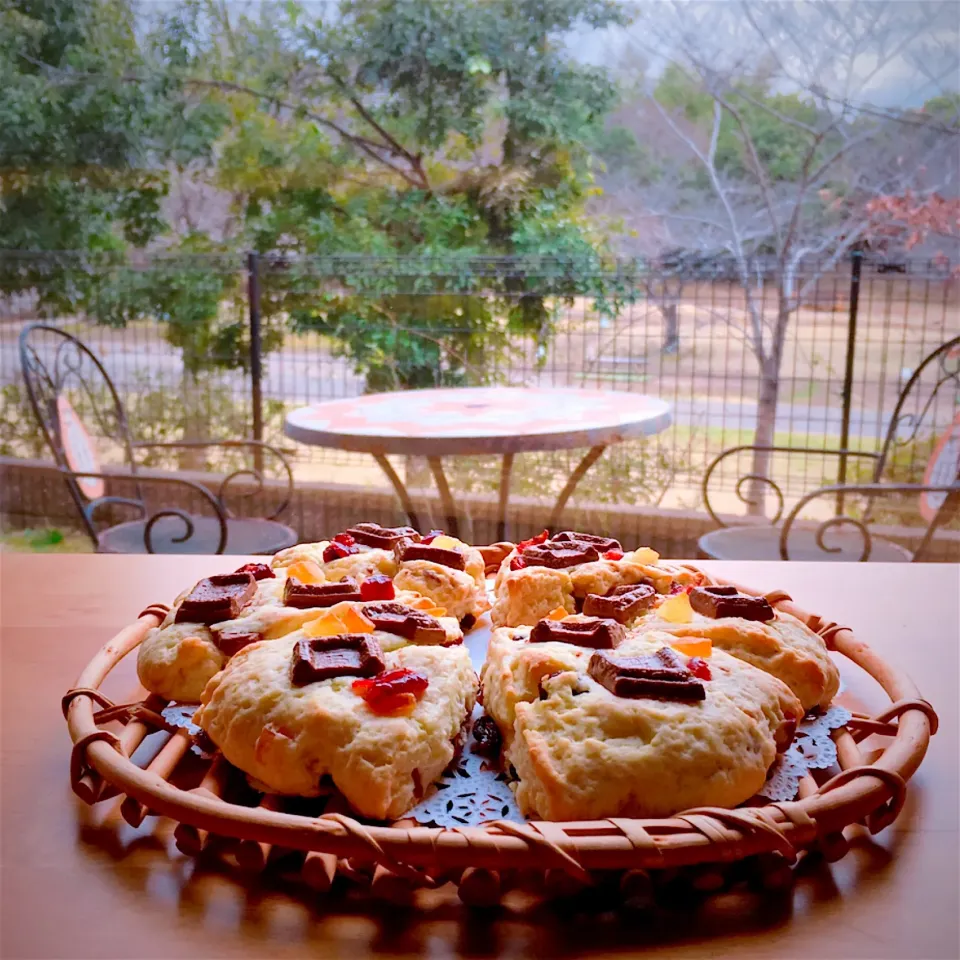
[[933, 391], [60, 370]]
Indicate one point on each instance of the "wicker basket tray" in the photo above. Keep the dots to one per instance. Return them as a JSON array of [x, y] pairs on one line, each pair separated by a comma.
[[711, 847]]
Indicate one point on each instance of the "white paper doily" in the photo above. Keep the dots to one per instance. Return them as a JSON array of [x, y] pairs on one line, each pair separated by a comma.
[[812, 749], [181, 715]]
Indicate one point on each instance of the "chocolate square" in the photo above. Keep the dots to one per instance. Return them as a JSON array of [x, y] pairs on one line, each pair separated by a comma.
[[218, 598], [622, 603], [408, 550], [231, 644], [343, 655], [373, 535], [662, 674], [557, 554], [403, 621], [603, 544], [308, 595], [717, 602], [594, 632]]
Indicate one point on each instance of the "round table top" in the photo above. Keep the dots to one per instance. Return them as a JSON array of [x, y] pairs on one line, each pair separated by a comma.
[[478, 420]]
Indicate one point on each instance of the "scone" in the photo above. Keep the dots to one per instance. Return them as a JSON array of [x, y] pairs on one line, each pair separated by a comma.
[[287, 714], [751, 630], [586, 748], [176, 659], [442, 568], [543, 574]]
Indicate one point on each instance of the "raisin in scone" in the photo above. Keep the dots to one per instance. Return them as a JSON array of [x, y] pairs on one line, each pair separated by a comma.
[[543, 574], [292, 716], [596, 733]]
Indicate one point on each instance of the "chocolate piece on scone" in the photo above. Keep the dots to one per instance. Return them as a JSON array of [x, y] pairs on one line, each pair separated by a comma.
[[559, 553], [662, 674], [259, 571], [404, 621], [217, 598], [231, 644], [342, 655], [603, 544], [307, 595], [621, 603], [594, 633], [405, 550], [717, 602], [373, 535]]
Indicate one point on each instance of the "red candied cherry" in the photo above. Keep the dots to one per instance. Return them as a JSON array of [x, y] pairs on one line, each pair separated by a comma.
[[336, 551], [699, 668], [539, 538], [377, 587], [345, 538], [676, 587], [517, 563], [260, 571], [613, 555], [431, 536]]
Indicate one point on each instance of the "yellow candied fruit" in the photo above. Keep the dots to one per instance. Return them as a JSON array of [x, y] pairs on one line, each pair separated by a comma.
[[437, 611], [446, 543], [558, 613], [355, 621], [676, 609], [306, 571], [693, 646], [645, 555], [420, 603], [326, 625]]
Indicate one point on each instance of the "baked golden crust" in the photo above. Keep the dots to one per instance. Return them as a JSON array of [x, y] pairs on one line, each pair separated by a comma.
[[581, 752], [527, 595], [176, 661], [288, 738], [783, 647]]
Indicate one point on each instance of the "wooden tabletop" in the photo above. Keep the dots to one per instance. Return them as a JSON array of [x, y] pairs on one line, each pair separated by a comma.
[[478, 420], [76, 882]]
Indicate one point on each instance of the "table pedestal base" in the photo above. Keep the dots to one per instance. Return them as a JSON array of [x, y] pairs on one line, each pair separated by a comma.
[[452, 525]]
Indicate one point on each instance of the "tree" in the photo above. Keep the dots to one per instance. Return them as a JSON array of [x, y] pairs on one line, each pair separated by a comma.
[[434, 128], [771, 151]]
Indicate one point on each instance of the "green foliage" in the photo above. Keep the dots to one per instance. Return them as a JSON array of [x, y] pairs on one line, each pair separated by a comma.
[[781, 146]]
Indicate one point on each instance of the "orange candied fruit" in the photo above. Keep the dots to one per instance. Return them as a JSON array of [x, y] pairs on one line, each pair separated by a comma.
[[558, 613], [693, 646], [392, 693], [306, 571]]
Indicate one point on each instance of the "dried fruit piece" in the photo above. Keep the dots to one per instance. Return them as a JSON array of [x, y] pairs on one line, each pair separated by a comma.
[[377, 587], [355, 621], [487, 739], [337, 551], [345, 538], [676, 609], [700, 668], [259, 571], [693, 646], [446, 543], [558, 613], [613, 555], [645, 555], [517, 563], [539, 538], [326, 625], [306, 571], [393, 691]]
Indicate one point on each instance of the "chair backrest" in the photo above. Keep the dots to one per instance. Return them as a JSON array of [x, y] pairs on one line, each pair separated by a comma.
[[69, 390], [927, 405]]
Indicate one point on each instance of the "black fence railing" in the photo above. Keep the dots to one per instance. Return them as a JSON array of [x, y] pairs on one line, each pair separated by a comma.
[[233, 342]]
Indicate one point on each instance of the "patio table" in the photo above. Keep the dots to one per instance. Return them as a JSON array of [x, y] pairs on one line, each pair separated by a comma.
[[79, 882], [467, 421]]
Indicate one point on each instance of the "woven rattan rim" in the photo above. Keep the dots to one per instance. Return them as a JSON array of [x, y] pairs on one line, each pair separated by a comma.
[[872, 793]]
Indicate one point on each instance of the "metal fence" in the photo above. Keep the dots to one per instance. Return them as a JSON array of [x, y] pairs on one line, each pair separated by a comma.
[[236, 341]]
